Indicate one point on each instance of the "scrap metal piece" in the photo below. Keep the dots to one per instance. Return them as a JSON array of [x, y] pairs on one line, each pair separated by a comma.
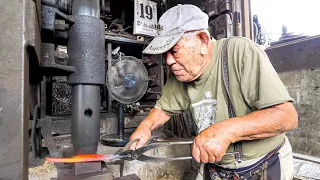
[[46, 125]]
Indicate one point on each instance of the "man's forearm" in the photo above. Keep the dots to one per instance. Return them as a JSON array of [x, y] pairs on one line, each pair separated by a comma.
[[260, 124], [155, 119]]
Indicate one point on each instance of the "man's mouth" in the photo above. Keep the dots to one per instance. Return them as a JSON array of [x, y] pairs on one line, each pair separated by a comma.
[[178, 72]]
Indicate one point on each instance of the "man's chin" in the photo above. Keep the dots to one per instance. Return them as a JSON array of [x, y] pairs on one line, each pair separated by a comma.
[[183, 78]]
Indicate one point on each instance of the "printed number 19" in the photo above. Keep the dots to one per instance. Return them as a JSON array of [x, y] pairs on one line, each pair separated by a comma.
[[148, 10]]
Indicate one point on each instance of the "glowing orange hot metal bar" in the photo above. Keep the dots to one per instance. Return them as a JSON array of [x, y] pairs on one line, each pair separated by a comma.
[[80, 158]]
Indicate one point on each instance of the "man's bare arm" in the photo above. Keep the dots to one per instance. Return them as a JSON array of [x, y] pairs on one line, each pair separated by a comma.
[[155, 119], [263, 123], [211, 144]]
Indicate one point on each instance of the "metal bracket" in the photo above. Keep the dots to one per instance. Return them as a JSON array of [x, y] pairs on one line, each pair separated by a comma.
[[48, 62], [54, 25], [46, 124], [49, 16]]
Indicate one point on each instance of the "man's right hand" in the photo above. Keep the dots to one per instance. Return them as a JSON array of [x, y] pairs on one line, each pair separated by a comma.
[[155, 119], [143, 133]]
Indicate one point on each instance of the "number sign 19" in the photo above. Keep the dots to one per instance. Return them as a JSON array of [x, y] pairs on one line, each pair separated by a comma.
[[145, 17], [146, 9]]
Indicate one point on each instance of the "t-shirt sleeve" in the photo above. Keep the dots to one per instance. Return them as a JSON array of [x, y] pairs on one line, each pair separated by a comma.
[[174, 99], [260, 84]]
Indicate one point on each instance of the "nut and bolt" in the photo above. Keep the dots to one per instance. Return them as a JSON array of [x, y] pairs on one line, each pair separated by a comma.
[[61, 57], [61, 25]]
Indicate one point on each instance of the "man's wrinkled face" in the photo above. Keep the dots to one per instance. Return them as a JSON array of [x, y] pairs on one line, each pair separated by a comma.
[[185, 59]]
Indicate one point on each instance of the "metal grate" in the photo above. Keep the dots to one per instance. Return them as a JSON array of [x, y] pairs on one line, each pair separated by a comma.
[[61, 96]]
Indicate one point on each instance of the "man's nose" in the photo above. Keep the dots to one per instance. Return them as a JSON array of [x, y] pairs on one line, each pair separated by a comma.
[[169, 59]]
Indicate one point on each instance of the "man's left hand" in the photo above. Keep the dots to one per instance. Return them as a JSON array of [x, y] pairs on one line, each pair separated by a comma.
[[210, 145]]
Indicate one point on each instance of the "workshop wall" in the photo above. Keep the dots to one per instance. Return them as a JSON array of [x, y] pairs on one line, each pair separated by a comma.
[[298, 66]]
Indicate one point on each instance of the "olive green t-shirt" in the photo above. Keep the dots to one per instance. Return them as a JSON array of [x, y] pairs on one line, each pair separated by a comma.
[[254, 85]]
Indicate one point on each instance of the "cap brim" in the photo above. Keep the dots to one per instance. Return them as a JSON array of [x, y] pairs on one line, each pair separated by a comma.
[[162, 44]]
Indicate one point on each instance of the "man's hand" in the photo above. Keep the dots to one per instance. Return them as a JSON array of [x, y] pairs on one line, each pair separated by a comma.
[[155, 119], [143, 133], [210, 145]]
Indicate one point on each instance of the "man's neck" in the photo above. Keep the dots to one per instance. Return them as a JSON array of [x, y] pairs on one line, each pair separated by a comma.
[[208, 56]]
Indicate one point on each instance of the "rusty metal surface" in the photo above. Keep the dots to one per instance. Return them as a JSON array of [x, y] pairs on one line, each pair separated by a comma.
[[17, 34], [296, 55]]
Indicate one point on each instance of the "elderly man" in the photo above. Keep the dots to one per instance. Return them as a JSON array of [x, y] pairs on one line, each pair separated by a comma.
[[251, 89]]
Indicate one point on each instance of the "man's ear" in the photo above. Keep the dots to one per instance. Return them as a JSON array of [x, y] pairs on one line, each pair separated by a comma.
[[204, 38]]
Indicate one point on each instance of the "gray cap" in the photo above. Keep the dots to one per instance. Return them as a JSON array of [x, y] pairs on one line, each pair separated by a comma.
[[173, 24]]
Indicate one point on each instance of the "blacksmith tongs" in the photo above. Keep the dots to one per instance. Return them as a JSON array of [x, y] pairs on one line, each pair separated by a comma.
[[126, 154]]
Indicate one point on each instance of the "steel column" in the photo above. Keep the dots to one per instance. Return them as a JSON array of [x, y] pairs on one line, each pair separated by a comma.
[[18, 22], [86, 49], [85, 113], [86, 7]]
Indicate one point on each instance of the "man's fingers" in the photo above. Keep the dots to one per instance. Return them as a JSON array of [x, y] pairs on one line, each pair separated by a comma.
[[196, 153], [133, 146], [142, 134], [143, 140], [203, 155], [211, 156], [133, 137]]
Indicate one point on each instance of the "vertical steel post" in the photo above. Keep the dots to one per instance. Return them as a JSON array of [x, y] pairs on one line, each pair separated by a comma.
[[86, 49], [86, 7], [121, 121]]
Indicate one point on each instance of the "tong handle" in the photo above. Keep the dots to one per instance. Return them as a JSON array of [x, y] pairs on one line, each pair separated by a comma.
[[145, 158], [156, 143]]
